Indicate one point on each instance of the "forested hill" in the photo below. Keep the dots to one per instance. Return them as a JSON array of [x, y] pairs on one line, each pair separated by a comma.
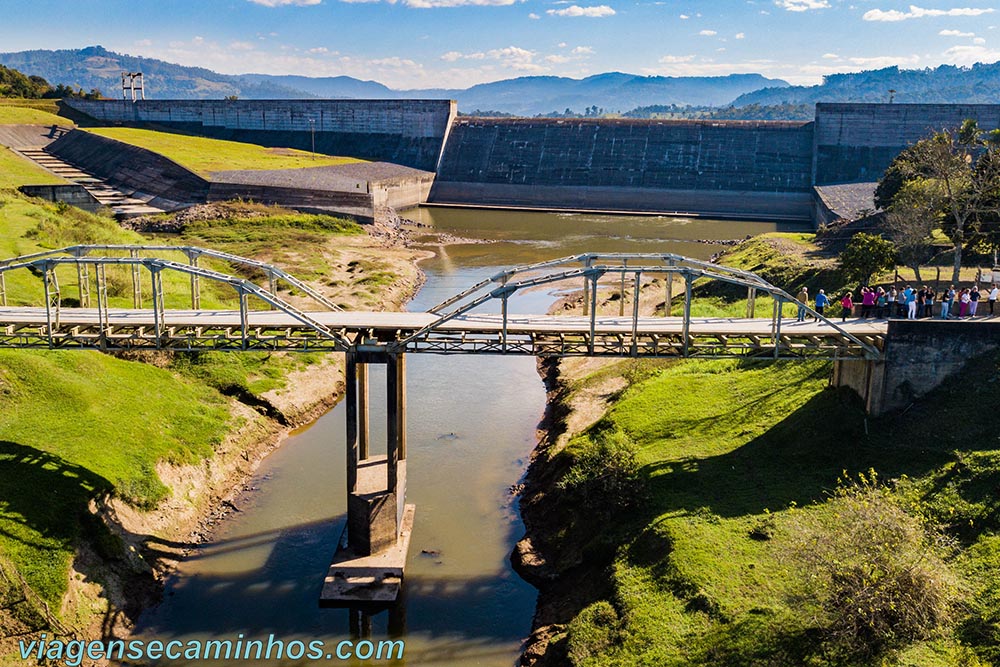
[[979, 84]]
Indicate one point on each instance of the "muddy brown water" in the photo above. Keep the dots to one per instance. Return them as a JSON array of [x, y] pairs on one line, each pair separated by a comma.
[[471, 428]]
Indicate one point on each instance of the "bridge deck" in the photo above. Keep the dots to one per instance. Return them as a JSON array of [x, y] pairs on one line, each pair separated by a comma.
[[470, 333]]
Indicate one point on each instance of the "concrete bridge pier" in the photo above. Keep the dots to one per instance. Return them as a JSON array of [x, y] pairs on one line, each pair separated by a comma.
[[368, 565]]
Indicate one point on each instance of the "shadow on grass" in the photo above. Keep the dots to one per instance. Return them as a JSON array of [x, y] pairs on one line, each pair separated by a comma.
[[44, 493], [800, 459]]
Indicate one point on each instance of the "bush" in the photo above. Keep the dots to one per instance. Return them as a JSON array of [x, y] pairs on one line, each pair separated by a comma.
[[604, 476], [874, 578], [592, 632]]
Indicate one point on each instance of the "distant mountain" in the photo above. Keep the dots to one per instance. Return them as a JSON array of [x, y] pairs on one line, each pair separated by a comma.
[[96, 67], [613, 91], [328, 86], [979, 84]]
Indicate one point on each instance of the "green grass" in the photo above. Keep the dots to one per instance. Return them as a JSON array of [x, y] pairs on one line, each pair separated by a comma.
[[16, 171], [203, 155], [727, 448], [31, 112], [729, 453], [75, 425]]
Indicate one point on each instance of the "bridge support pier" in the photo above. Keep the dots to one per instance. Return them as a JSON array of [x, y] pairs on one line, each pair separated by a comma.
[[368, 565]]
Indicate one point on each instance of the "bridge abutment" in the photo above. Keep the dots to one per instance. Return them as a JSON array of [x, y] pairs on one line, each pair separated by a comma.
[[919, 355]]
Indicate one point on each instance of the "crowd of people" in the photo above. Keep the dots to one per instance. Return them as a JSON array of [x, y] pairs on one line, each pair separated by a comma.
[[909, 302]]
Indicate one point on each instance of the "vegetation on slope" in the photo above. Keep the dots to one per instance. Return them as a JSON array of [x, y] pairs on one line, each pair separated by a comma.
[[701, 486], [75, 426], [203, 155], [16, 171]]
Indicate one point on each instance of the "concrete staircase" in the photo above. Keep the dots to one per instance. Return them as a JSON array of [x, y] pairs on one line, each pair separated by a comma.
[[123, 203]]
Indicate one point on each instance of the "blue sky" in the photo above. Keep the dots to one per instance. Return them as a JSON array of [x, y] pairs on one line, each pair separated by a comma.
[[458, 43]]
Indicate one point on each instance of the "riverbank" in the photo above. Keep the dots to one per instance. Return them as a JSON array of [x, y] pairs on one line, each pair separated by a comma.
[[180, 483], [666, 503]]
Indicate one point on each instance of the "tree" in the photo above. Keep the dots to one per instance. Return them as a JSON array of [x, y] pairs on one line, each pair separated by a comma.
[[953, 175], [909, 225], [865, 256]]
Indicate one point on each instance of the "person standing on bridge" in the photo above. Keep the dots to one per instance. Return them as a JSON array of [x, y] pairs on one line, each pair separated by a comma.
[[910, 295], [900, 303], [803, 299], [847, 305], [880, 303], [945, 304], [821, 301], [950, 296], [963, 303], [994, 293], [974, 297]]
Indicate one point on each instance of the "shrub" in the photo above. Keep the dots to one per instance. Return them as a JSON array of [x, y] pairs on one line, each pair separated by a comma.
[[592, 632], [604, 476], [874, 578]]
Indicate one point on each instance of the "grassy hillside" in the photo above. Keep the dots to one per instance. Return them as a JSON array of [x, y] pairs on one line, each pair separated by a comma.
[[702, 481], [77, 425], [16, 171], [30, 112], [203, 155]]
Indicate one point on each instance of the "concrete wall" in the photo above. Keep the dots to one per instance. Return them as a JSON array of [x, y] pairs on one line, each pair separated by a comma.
[[857, 142], [919, 356], [74, 195], [407, 132], [129, 167], [702, 167]]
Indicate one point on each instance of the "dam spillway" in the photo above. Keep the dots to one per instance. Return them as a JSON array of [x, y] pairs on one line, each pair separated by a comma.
[[745, 169]]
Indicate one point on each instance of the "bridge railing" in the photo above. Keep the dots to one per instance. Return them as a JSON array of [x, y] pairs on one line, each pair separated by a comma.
[[45, 265], [275, 276], [592, 268]]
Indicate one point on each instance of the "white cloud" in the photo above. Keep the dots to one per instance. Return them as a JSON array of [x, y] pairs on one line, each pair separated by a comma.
[[684, 17], [582, 51], [956, 33], [282, 3], [242, 46], [741, 35], [558, 59], [708, 33], [430, 4], [979, 40], [831, 56], [673, 60], [533, 16], [878, 62], [801, 5], [575, 10], [451, 56], [915, 12], [970, 55]]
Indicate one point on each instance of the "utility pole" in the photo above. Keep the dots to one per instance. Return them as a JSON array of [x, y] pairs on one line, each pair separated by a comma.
[[312, 133]]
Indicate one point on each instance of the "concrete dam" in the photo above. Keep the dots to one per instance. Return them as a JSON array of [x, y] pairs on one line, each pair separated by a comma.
[[741, 169]]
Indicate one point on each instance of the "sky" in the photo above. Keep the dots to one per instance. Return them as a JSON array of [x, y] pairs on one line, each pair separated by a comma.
[[458, 43]]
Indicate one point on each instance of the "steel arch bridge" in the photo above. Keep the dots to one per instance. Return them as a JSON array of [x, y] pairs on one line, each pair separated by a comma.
[[478, 320]]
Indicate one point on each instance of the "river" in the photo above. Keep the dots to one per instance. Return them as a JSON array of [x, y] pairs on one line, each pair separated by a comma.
[[471, 428]]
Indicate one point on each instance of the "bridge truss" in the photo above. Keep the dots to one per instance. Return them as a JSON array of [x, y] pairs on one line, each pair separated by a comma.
[[478, 320]]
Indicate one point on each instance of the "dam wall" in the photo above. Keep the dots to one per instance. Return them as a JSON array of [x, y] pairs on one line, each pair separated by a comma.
[[407, 132], [741, 169], [856, 142], [699, 167], [154, 178]]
